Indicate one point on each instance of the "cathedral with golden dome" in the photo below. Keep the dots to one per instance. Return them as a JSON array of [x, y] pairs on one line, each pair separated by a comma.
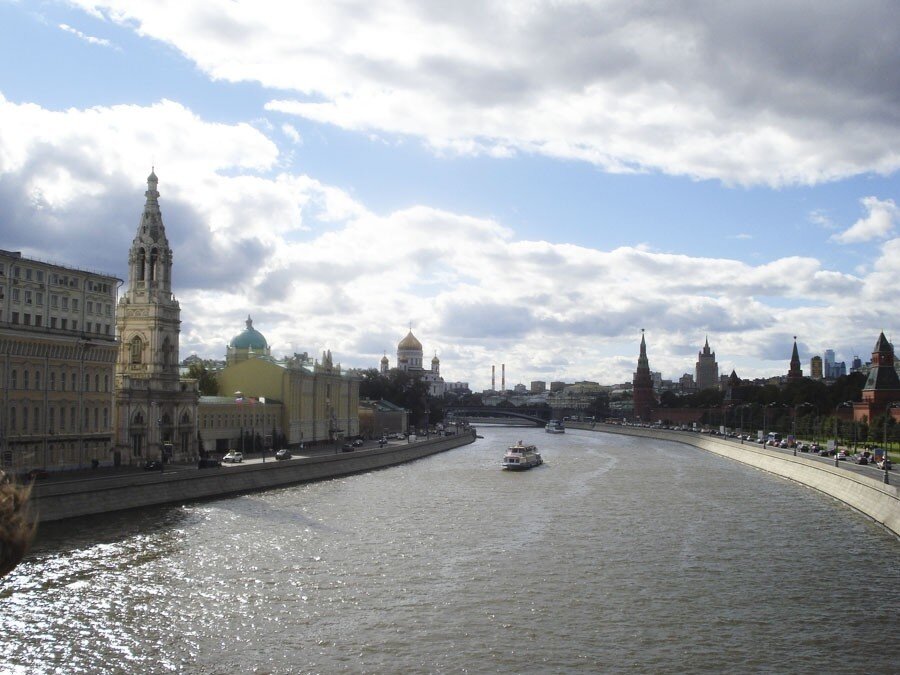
[[410, 359]]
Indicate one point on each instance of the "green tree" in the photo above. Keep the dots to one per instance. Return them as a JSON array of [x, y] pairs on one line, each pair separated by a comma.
[[209, 385]]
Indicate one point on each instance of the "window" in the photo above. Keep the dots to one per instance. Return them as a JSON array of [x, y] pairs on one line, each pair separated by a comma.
[[52, 322], [12, 418], [40, 275], [74, 304], [87, 382], [96, 419], [62, 418], [52, 381], [15, 295], [51, 419], [90, 307], [25, 379], [106, 383], [38, 320], [89, 326], [36, 418], [39, 299], [72, 418], [74, 383], [17, 272], [74, 324], [28, 274], [136, 349], [109, 310], [65, 303], [54, 301], [15, 317], [14, 379], [97, 382], [106, 418], [64, 323], [26, 319], [62, 382], [28, 297], [24, 418], [37, 380]]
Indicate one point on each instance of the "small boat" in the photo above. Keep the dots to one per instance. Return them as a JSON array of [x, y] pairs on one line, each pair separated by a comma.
[[520, 457], [555, 427]]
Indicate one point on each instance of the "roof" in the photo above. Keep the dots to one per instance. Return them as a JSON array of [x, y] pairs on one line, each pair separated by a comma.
[[410, 342], [249, 338]]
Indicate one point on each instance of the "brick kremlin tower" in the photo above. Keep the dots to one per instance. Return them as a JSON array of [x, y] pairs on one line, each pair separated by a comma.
[[882, 386], [644, 400], [795, 373]]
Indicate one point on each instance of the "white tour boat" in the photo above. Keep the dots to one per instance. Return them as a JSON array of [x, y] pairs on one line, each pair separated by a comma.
[[555, 427], [520, 457]]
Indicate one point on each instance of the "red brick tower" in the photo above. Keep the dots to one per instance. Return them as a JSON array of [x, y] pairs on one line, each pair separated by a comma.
[[883, 386], [644, 400], [795, 373]]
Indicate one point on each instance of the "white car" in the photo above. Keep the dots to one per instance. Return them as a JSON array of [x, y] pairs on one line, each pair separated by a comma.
[[233, 457]]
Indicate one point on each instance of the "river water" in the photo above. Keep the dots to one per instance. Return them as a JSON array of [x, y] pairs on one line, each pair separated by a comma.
[[618, 555]]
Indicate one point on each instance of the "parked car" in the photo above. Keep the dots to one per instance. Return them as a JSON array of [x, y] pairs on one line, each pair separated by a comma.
[[233, 457], [862, 459], [284, 453], [358, 443], [841, 455], [153, 465], [885, 464], [347, 447], [208, 463]]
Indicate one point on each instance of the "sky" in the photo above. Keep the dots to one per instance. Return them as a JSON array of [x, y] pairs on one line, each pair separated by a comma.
[[524, 183]]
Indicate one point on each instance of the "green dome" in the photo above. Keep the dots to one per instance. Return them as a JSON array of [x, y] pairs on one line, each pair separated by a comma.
[[250, 338]]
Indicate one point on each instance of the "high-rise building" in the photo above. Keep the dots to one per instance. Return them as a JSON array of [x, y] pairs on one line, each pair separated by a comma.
[[828, 364], [538, 387], [707, 369], [57, 357], [815, 368], [557, 386], [156, 411]]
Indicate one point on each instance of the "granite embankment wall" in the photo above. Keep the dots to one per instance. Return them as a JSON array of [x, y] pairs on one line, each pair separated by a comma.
[[73, 499], [871, 497]]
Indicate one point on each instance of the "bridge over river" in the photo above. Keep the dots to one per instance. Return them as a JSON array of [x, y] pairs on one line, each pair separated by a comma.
[[495, 414]]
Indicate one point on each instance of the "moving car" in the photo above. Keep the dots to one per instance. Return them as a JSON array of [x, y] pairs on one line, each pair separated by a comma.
[[358, 443], [233, 457], [284, 453], [153, 465], [347, 447]]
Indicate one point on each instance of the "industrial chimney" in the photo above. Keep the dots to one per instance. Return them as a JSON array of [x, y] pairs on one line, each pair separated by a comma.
[[493, 378], [502, 377]]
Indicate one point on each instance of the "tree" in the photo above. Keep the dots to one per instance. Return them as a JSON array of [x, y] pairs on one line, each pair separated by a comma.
[[206, 379]]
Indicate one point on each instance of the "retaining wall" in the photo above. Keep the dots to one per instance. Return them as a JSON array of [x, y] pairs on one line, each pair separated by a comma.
[[872, 497], [73, 499]]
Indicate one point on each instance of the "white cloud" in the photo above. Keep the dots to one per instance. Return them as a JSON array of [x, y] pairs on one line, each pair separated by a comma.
[[102, 42], [316, 268], [291, 132], [878, 223], [709, 90]]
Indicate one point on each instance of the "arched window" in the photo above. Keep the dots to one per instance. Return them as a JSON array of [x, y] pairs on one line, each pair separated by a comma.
[[154, 257], [97, 382], [37, 380], [14, 379], [137, 349], [52, 381], [141, 262], [166, 351], [25, 379], [138, 419], [12, 418], [106, 383], [185, 418]]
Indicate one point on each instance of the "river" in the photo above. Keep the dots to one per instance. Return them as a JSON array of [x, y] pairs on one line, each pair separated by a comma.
[[620, 554]]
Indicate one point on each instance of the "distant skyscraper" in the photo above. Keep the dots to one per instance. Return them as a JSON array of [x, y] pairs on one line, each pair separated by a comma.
[[643, 386], [828, 364], [815, 368], [856, 366], [707, 369], [538, 387]]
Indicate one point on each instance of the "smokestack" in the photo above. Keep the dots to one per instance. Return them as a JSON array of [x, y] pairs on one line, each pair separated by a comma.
[[503, 377], [493, 378]]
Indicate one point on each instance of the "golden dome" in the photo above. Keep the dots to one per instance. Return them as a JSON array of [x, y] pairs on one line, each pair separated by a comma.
[[410, 342]]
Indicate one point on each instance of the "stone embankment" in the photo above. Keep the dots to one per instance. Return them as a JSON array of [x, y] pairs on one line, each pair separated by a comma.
[[78, 498], [872, 497]]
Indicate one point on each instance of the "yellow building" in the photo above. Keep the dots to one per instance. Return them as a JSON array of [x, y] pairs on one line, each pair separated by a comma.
[[318, 402]]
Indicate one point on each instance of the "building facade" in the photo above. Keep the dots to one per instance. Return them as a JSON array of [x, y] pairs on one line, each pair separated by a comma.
[[156, 410], [57, 365], [319, 403], [815, 368]]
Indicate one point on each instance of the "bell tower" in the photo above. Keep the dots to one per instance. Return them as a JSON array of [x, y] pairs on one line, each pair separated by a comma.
[[156, 412]]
